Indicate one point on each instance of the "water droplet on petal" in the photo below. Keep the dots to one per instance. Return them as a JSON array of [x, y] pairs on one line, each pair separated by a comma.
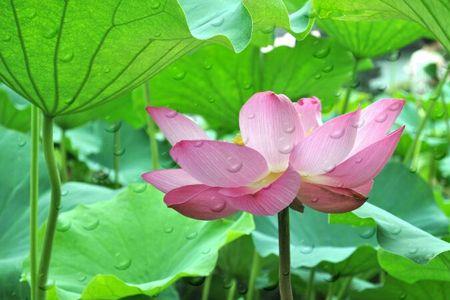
[[191, 235], [217, 21], [395, 106], [381, 118], [315, 200], [358, 160], [285, 145], [198, 144], [234, 165], [358, 124], [122, 262], [63, 225], [171, 114], [323, 52], [368, 233], [289, 128], [251, 116], [338, 133], [218, 206]]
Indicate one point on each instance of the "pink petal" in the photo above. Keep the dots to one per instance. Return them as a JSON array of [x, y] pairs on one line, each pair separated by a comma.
[[329, 199], [363, 166], [310, 112], [327, 146], [376, 121], [270, 124], [175, 126], [216, 163], [167, 180], [271, 199], [199, 202], [364, 189]]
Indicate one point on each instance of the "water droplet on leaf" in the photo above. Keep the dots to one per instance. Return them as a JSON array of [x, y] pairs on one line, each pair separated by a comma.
[[122, 262], [328, 69], [191, 235], [217, 21], [63, 225], [323, 52], [139, 188], [368, 233], [67, 57]]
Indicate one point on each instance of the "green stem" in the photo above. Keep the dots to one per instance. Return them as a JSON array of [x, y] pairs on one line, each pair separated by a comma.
[[34, 194], [116, 154], [64, 173], [432, 168], [446, 117], [330, 290], [310, 287], [232, 290], [344, 288], [411, 154], [55, 200], [284, 255], [253, 275], [206, 287], [151, 131], [348, 92]]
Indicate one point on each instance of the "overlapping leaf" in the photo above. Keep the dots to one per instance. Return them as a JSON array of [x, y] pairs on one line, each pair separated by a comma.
[[215, 83], [432, 15], [314, 239], [133, 244], [372, 38]]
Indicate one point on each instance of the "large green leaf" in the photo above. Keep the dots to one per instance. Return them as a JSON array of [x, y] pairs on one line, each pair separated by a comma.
[[67, 56], [133, 244], [314, 240], [12, 115], [396, 289], [214, 82], [431, 14], [14, 200], [14, 205], [372, 38], [94, 145]]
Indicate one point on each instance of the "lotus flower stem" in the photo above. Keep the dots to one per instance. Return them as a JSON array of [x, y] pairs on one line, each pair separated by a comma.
[[232, 290], [116, 155], [310, 288], [206, 287], [55, 201], [253, 275], [348, 92], [34, 194], [410, 155], [64, 173], [344, 288], [284, 255], [151, 131]]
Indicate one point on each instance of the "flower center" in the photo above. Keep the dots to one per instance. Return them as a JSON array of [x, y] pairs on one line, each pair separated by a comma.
[[238, 140]]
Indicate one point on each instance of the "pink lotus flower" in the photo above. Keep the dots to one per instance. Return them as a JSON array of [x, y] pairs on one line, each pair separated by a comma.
[[338, 160], [283, 143]]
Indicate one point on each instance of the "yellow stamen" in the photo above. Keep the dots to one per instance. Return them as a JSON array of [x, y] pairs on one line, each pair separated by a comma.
[[238, 140]]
